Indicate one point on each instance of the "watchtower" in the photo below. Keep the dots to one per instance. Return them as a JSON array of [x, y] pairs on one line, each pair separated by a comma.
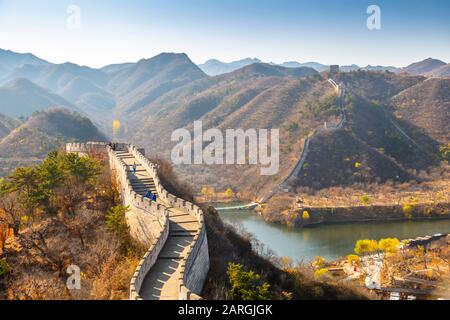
[[334, 69]]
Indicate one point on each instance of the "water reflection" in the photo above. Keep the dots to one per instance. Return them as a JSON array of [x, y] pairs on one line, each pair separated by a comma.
[[329, 241]]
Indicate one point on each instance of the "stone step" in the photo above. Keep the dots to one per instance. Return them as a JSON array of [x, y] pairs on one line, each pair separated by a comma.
[[183, 223], [177, 233], [182, 219], [142, 182], [143, 186], [175, 247], [153, 190]]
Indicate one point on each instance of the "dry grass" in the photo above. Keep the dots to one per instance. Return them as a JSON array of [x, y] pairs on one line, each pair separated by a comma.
[[46, 245]]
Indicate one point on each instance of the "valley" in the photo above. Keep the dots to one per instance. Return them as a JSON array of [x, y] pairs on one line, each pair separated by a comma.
[[363, 153]]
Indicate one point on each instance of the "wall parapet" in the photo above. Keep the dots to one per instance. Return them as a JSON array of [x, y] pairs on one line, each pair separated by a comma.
[[195, 265]]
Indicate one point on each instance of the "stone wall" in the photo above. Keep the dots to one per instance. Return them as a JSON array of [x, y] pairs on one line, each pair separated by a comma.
[[84, 148], [149, 223], [195, 266]]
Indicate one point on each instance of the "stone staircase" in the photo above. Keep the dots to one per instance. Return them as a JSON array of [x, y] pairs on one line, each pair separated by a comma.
[[162, 281]]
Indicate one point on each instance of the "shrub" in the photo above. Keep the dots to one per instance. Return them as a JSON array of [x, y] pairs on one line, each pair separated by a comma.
[[247, 285], [319, 262], [4, 267], [407, 210], [366, 246], [116, 221], [353, 259], [322, 273], [305, 215], [229, 193], [293, 126], [364, 199], [389, 245]]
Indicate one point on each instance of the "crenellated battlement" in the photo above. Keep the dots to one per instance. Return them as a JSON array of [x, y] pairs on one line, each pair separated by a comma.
[[149, 221]]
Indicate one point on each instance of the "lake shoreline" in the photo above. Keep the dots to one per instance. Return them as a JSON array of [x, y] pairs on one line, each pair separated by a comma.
[[330, 240], [305, 217], [319, 216]]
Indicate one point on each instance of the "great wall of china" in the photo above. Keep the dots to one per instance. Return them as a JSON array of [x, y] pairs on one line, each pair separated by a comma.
[[177, 261]]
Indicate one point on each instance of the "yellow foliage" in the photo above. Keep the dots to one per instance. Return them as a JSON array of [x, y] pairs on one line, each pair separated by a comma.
[[407, 210], [229, 193], [24, 219], [389, 245], [366, 246], [321, 273], [420, 251], [305, 215], [319, 262], [286, 263], [357, 165], [364, 199], [353, 259]]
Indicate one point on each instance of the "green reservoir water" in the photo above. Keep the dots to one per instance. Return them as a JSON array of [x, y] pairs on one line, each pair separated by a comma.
[[328, 241]]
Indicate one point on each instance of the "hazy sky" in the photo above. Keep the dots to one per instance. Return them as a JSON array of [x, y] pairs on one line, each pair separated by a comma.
[[327, 31]]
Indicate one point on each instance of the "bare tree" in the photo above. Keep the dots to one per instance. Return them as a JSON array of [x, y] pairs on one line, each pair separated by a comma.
[[11, 213]]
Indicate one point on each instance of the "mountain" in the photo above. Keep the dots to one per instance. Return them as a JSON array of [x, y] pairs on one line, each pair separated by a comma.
[[331, 162], [375, 85], [297, 101], [426, 105], [440, 72], [6, 125], [315, 65], [349, 68], [385, 138], [381, 68], [9, 61], [268, 70], [46, 131], [21, 97], [424, 67], [113, 68], [256, 96], [55, 77], [215, 67], [194, 100], [145, 81], [95, 92], [163, 68]]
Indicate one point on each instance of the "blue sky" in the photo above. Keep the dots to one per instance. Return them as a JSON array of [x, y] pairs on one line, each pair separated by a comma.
[[327, 31]]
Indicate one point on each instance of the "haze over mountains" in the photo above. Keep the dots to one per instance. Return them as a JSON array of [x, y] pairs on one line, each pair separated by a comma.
[[429, 67], [28, 142], [155, 96]]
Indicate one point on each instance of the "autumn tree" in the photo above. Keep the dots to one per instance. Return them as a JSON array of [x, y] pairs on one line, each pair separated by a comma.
[[366, 246], [10, 213], [389, 245], [229, 193], [353, 259], [306, 215]]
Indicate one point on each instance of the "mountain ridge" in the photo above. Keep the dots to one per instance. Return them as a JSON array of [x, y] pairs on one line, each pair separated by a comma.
[[21, 97]]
